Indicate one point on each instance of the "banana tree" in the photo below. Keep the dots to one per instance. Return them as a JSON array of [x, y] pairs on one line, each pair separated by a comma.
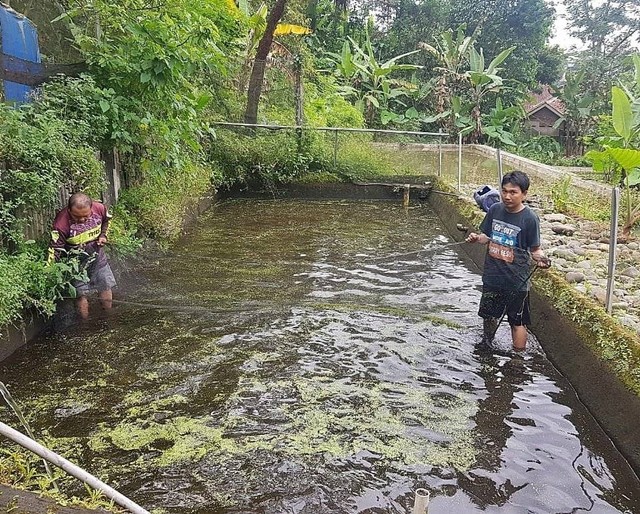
[[462, 75], [623, 151], [368, 80], [483, 81], [498, 123], [577, 118], [451, 52], [626, 123]]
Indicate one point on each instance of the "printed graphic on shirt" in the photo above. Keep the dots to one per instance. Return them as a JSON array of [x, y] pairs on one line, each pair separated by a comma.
[[504, 238], [81, 233]]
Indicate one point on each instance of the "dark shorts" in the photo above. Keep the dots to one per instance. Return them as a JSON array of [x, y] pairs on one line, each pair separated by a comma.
[[495, 302], [100, 279]]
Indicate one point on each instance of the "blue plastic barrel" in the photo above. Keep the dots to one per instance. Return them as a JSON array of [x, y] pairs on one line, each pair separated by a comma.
[[19, 39]]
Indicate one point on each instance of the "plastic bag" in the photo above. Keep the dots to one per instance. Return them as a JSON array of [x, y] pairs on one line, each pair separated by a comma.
[[486, 196]]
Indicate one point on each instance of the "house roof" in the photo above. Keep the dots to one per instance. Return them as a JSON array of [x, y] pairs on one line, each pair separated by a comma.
[[543, 99]]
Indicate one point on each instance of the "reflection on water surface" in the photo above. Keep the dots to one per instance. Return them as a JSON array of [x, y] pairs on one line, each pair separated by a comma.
[[291, 361]]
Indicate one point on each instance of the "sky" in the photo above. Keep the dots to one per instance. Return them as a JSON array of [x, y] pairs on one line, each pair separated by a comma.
[[560, 35]]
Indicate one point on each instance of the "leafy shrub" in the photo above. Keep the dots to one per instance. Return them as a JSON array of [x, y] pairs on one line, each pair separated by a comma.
[[38, 161], [157, 207], [328, 109], [28, 282], [263, 157], [77, 102], [271, 158], [543, 149], [123, 229]]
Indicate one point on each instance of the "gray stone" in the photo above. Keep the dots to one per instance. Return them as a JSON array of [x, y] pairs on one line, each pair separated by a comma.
[[629, 321], [584, 265], [565, 253], [623, 306], [558, 261], [578, 250], [555, 217], [574, 277], [632, 272], [633, 246], [599, 294], [566, 230]]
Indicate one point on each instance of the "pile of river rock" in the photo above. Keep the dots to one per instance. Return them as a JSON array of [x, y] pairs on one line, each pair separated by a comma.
[[580, 251]]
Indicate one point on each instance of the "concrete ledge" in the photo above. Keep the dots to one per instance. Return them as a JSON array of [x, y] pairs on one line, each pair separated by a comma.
[[385, 188], [16, 335], [19, 501]]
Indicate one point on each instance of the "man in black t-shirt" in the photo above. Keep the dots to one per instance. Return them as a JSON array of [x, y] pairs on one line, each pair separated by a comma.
[[512, 231]]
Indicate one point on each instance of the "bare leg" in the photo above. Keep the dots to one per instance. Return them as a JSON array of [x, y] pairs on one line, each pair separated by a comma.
[[519, 336], [82, 306], [106, 298]]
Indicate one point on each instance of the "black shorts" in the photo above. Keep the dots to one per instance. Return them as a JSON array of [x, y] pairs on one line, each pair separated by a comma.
[[495, 302]]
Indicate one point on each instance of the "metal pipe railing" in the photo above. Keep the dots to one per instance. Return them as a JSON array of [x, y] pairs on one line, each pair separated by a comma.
[[69, 467], [328, 129]]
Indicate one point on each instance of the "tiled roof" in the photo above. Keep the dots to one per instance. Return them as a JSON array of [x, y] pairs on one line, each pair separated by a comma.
[[544, 98]]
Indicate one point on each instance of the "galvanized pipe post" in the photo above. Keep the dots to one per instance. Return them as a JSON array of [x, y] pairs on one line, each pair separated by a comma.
[[613, 243], [499, 158], [439, 152], [459, 161]]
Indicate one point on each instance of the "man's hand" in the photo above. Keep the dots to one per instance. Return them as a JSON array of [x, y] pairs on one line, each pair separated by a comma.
[[102, 240], [541, 260], [477, 238]]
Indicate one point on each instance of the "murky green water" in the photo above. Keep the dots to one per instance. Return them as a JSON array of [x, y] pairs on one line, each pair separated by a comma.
[[290, 363]]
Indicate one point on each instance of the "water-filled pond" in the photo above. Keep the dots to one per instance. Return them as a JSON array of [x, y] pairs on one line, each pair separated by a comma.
[[283, 358]]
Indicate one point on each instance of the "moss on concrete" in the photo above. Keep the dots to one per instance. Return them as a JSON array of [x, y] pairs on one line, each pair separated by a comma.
[[617, 346]]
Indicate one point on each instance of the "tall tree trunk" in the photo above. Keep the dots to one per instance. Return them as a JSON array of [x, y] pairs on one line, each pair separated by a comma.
[[260, 62]]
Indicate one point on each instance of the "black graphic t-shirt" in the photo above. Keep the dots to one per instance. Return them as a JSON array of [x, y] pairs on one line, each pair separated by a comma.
[[511, 236]]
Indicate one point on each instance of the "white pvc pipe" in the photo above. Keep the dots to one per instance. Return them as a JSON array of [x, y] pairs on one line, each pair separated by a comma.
[[70, 468], [421, 502]]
